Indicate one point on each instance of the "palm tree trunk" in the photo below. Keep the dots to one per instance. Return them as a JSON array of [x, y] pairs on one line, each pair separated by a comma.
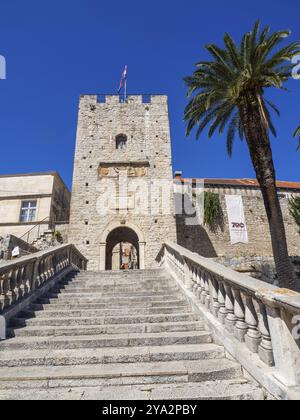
[[258, 141]]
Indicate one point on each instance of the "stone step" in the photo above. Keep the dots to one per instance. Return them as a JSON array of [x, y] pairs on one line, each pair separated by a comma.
[[120, 295], [52, 313], [71, 288], [36, 357], [118, 280], [116, 289], [128, 319], [121, 278], [107, 340], [127, 334], [112, 305], [128, 300], [118, 374], [237, 389], [46, 331], [122, 273]]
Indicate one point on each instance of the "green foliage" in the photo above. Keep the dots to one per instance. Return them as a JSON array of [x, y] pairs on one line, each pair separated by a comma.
[[294, 203], [297, 134], [213, 213], [58, 236], [237, 75]]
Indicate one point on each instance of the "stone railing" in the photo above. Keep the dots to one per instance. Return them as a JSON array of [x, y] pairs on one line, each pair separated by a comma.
[[24, 280], [258, 324]]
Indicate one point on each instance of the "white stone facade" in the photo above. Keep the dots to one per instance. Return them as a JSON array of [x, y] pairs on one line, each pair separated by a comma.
[[48, 194]]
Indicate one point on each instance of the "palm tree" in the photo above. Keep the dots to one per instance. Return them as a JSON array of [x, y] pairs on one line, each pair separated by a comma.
[[297, 134], [229, 92]]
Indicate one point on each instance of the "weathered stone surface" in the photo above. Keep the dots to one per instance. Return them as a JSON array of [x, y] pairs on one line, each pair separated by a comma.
[[147, 157], [155, 356], [216, 243]]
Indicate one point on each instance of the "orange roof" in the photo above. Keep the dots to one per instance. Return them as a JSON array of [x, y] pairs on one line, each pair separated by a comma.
[[243, 182]]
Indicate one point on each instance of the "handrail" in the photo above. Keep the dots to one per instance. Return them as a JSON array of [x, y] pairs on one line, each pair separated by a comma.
[[22, 279], [31, 229], [254, 287], [258, 323]]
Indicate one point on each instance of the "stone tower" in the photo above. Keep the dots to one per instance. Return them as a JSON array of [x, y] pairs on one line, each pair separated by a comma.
[[123, 180]]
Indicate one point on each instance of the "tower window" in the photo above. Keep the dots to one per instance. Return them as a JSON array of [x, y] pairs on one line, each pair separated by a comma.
[[121, 142]]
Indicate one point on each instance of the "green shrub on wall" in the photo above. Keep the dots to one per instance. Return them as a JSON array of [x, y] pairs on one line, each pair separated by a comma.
[[58, 236], [213, 214], [294, 204]]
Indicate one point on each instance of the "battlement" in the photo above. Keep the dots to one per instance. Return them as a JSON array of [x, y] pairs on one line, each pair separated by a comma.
[[113, 99]]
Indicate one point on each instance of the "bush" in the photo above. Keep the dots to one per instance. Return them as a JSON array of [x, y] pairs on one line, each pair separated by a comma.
[[58, 236], [213, 214], [294, 204]]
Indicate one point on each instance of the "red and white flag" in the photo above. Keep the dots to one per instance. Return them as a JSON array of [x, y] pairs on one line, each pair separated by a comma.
[[123, 79]]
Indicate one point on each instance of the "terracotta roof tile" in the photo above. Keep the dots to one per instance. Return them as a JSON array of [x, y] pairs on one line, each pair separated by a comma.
[[244, 182]]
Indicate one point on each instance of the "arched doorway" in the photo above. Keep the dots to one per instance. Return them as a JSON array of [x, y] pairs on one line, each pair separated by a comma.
[[122, 249], [117, 239]]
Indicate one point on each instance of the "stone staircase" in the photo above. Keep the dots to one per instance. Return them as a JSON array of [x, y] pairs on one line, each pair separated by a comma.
[[117, 335]]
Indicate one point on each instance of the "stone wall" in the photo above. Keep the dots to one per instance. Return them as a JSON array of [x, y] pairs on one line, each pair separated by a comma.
[[262, 268], [217, 244], [63, 229], [146, 158], [9, 242]]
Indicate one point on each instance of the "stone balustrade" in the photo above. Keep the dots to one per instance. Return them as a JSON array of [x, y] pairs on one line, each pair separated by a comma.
[[25, 279], [258, 323]]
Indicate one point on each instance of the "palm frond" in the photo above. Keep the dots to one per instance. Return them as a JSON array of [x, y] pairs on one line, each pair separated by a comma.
[[297, 134], [233, 127], [236, 74]]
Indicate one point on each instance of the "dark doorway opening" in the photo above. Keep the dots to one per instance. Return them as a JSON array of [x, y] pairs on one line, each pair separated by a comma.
[[122, 250]]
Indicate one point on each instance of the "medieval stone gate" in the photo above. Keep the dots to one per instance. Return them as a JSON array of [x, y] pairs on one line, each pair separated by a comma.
[[119, 140]]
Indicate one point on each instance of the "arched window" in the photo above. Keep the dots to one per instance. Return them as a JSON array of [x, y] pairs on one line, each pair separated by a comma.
[[121, 142]]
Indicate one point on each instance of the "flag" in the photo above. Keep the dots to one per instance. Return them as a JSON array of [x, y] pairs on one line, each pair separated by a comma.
[[123, 79]]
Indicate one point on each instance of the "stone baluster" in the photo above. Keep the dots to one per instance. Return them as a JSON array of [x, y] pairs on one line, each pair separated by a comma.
[[204, 288], [215, 306], [265, 349], [20, 282], [207, 291], [34, 278], [221, 298], [6, 289], [253, 336], [26, 280], [230, 319], [187, 276], [239, 311], [199, 281], [197, 290], [13, 292], [1, 293], [194, 279], [202, 285]]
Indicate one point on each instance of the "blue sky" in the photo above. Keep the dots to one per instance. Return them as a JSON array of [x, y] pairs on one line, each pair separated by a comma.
[[56, 50]]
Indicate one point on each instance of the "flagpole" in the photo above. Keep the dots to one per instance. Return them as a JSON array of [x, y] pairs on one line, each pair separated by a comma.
[[125, 90]]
